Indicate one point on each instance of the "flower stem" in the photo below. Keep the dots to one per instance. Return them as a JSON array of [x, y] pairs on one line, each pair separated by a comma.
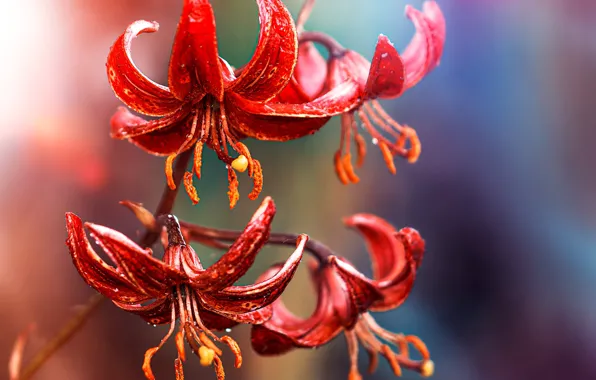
[[63, 336], [213, 236], [71, 327], [333, 47]]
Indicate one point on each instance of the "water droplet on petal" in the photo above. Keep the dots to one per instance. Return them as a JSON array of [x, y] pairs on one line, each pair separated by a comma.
[[228, 330], [375, 141]]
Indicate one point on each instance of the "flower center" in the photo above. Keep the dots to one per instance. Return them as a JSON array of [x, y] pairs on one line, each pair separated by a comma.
[[209, 125], [368, 333], [199, 337]]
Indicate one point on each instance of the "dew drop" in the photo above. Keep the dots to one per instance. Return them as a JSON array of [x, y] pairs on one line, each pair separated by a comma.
[[375, 141], [228, 330], [384, 55]]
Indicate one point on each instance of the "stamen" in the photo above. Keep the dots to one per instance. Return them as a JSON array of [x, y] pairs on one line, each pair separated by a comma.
[[170, 171], [419, 345], [206, 356], [240, 164], [150, 352], [180, 345], [243, 150], [204, 339], [257, 178], [360, 146], [178, 369], [191, 190], [352, 341], [393, 362], [235, 348], [304, 14], [198, 159], [233, 194], [339, 168], [219, 370], [387, 156], [427, 369]]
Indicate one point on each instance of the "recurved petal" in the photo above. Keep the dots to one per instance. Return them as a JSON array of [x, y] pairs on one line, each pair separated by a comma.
[[158, 312], [309, 76], [387, 72], [273, 62], [221, 321], [283, 121], [129, 84], [96, 272], [362, 291], [241, 255], [424, 51], [195, 59], [245, 299], [394, 266], [148, 274], [125, 125]]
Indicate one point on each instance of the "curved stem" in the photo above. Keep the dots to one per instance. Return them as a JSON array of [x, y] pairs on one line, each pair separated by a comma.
[[213, 236], [63, 336], [71, 327]]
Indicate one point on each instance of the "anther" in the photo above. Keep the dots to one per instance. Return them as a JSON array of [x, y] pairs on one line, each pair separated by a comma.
[[240, 164], [206, 356], [427, 369]]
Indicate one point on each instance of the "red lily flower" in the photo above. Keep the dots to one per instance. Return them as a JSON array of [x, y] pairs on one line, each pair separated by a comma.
[[178, 287], [345, 296], [202, 87], [388, 76]]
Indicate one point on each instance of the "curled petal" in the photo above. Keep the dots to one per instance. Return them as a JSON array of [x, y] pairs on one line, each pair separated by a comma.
[[309, 76], [387, 72], [285, 330], [394, 267], [148, 274], [283, 121], [362, 291], [129, 84], [273, 62], [424, 51], [244, 299], [159, 312], [241, 255], [124, 124], [221, 321], [195, 59], [96, 272]]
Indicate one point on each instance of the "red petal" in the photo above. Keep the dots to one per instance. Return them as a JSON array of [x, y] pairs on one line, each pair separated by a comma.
[[244, 299], [285, 330], [96, 272], [129, 84], [161, 137], [386, 76], [150, 275], [159, 312], [222, 321], [125, 124], [194, 55], [273, 62], [309, 76], [394, 268], [426, 47], [241, 255], [362, 291], [282, 121]]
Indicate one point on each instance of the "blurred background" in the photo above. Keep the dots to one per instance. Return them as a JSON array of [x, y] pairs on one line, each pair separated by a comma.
[[504, 192]]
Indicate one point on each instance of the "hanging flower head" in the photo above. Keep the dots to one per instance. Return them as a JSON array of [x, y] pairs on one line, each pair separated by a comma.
[[192, 110], [179, 288], [345, 297]]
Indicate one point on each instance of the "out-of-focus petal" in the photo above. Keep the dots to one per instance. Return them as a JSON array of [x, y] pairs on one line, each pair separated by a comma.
[[424, 51], [387, 72], [362, 291], [244, 299], [158, 312], [195, 59], [150, 275], [394, 267], [309, 76], [241, 255], [129, 84], [282, 121], [273, 62], [96, 272]]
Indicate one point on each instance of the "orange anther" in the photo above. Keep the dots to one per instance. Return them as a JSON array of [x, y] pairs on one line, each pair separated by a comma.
[[257, 179], [349, 169], [198, 159], [339, 168], [387, 156], [233, 194], [235, 349], [190, 188], [170, 171]]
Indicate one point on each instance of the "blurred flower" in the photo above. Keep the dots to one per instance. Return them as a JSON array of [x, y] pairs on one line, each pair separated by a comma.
[[178, 286], [388, 76], [345, 296]]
